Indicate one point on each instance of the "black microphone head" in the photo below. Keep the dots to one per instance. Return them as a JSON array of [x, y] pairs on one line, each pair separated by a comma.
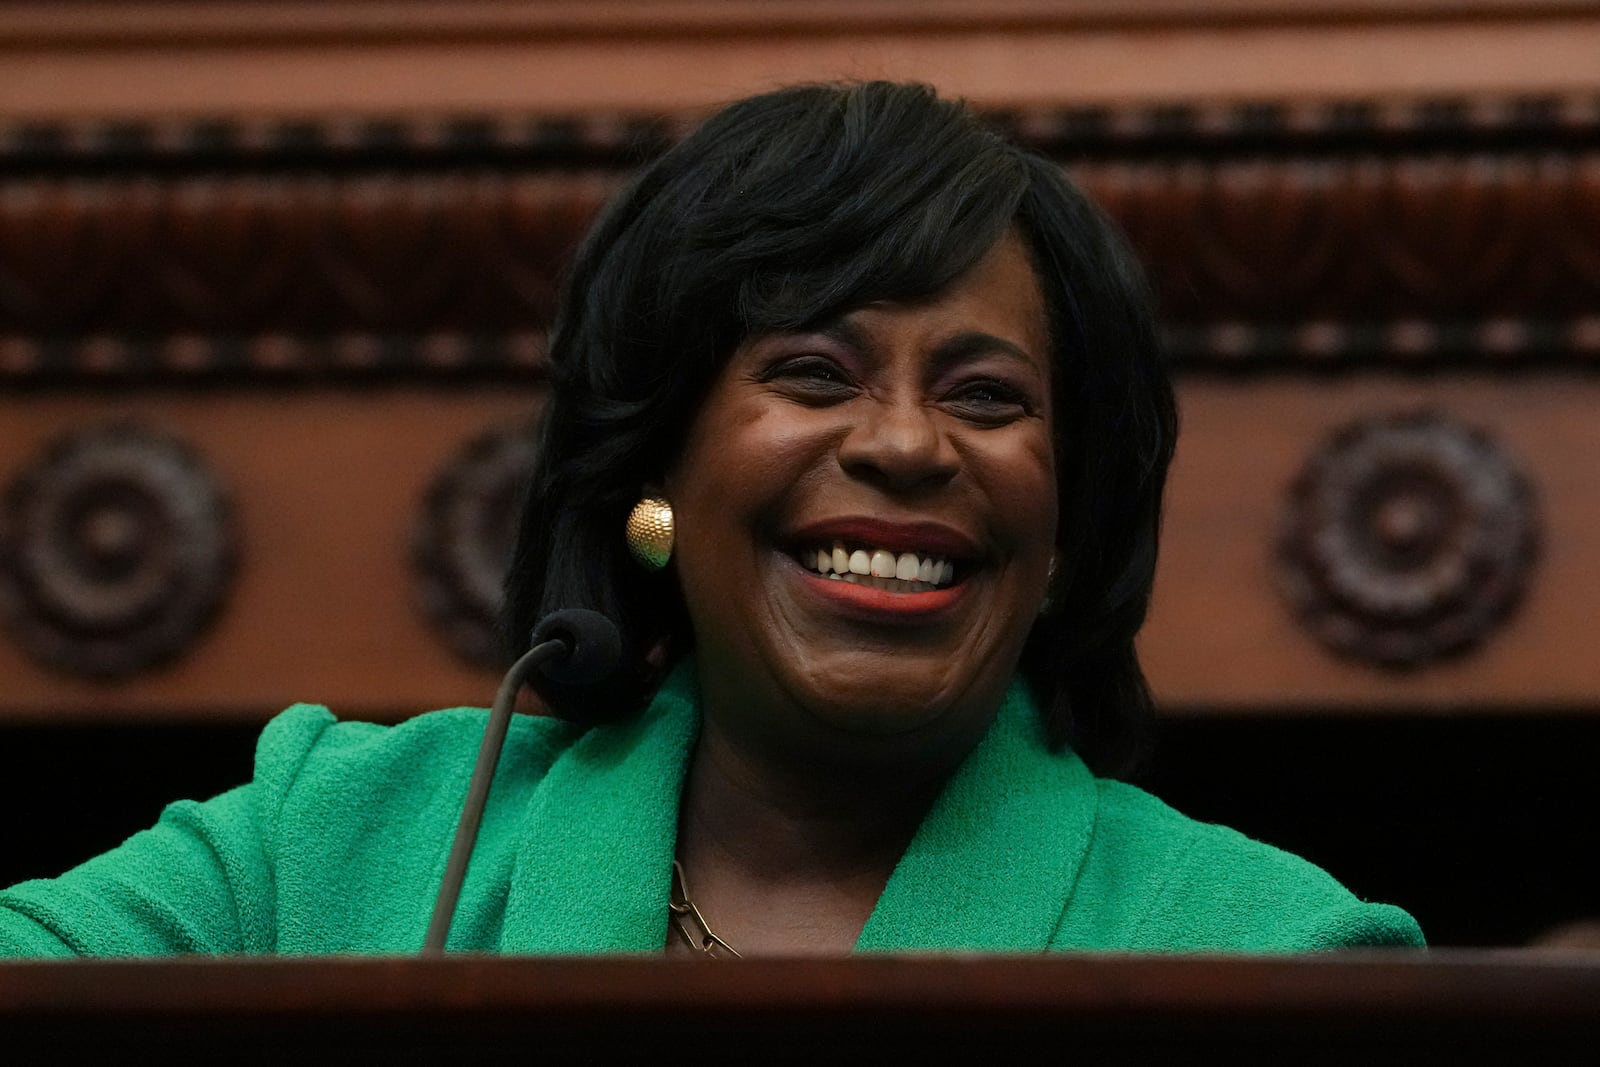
[[594, 646]]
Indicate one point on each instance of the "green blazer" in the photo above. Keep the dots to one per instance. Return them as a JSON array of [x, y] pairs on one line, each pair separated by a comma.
[[339, 843]]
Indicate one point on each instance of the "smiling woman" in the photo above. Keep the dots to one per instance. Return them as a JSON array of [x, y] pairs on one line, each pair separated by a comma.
[[872, 255], [898, 433], [897, 437], [893, 386]]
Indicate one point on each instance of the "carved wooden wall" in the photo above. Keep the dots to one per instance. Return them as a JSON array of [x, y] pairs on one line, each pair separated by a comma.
[[262, 381], [274, 277]]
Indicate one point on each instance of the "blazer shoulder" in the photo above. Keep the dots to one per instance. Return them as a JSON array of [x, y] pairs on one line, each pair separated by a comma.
[[1199, 886], [357, 819], [307, 748]]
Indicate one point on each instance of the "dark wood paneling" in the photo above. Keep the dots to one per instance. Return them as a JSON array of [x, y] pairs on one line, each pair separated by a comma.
[[329, 488], [1372, 1008], [1221, 632], [329, 311], [189, 57]]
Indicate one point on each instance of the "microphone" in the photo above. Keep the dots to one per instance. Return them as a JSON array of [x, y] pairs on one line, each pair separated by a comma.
[[573, 646], [594, 647]]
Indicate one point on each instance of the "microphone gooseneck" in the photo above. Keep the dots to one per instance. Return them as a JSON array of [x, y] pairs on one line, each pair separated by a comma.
[[573, 646]]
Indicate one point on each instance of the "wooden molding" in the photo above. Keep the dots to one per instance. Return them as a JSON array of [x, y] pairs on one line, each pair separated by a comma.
[[1223, 636], [463, 536], [332, 489], [304, 59], [1407, 538], [325, 606], [1350, 233], [233, 220], [112, 22], [117, 549]]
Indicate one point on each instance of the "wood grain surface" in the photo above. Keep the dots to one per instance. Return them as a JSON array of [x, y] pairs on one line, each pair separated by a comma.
[[1336, 1008], [1221, 636], [65, 60], [329, 484]]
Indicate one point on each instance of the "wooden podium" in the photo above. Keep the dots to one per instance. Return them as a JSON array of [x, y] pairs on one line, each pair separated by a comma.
[[1361, 1008]]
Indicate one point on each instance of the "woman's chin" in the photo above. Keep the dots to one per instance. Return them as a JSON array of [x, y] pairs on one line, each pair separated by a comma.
[[874, 695]]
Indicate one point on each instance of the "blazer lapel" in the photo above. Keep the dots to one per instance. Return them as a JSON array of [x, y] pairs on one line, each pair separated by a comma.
[[991, 868], [595, 867], [994, 864]]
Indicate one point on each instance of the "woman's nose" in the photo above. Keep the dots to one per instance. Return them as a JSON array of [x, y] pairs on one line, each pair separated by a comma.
[[900, 444]]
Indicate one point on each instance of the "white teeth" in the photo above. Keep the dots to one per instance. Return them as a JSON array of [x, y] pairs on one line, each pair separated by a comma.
[[880, 567]]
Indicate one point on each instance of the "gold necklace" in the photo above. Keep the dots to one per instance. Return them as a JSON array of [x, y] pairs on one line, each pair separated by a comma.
[[682, 912]]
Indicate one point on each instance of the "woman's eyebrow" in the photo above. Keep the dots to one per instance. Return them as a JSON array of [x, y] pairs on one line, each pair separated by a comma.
[[845, 331], [975, 343], [839, 330]]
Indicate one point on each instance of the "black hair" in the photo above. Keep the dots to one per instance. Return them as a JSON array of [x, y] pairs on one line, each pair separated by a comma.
[[788, 209]]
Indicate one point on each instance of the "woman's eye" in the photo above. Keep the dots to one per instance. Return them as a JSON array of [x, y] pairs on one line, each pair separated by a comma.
[[990, 402], [812, 377]]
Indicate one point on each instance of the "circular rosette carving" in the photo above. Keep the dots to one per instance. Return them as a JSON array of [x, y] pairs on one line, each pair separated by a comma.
[[464, 537], [1407, 538], [116, 550]]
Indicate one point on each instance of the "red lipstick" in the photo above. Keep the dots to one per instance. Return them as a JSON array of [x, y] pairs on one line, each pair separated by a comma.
[[865, 603]]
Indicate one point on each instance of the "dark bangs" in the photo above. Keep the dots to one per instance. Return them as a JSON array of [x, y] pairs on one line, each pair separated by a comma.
[[888, 194]]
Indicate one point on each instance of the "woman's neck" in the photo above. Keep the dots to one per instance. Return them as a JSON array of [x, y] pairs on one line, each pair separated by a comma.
[[784, 862], [786, 821]]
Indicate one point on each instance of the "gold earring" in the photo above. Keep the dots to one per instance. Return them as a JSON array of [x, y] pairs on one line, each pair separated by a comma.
[[650, 532]]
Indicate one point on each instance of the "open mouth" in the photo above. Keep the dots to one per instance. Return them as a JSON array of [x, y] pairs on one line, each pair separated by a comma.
[[879, 568]]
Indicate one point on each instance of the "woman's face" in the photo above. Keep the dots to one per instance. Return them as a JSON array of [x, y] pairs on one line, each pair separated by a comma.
[[910, 441]]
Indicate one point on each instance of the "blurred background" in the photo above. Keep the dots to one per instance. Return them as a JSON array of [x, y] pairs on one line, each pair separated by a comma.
[[274, 280]]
